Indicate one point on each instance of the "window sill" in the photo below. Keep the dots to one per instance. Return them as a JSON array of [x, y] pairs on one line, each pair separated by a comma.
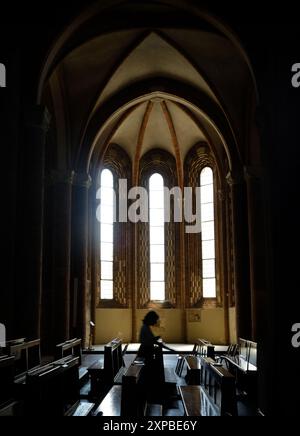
[[160, 305]]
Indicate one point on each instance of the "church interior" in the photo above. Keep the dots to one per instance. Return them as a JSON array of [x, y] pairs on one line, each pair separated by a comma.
[[104, 98]]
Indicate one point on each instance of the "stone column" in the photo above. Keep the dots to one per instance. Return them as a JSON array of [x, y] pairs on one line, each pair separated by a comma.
[[221, 256], [257, 247], [182, 302], [134, 291], [29, 284], [61, 187], [240, 255], [261, 300], [79, 278]]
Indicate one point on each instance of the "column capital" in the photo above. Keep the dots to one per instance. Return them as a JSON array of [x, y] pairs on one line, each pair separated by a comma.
[[221, 195], [38, 117], [253, 172], [60, 177], [83, 180], [234, 178]]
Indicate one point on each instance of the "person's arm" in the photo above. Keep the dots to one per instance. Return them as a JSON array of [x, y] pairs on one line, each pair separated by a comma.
[[168, 348], [163, 345]]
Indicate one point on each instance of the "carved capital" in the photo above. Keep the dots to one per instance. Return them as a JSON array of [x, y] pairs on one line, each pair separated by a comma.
[[234, 178], [82, 180], [253, 172], [60, 177], [38, 117], [221, 195]]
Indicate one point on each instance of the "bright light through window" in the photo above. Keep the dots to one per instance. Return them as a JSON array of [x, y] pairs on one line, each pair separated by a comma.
[[208, 233], [107, 234], [157, 238]]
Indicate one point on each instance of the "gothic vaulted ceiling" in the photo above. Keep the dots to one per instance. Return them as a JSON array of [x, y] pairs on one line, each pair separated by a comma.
[[101, 67]]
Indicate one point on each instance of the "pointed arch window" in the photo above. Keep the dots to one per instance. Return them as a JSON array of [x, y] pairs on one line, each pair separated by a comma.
[[157, 238], [107, 214], [208, 233]]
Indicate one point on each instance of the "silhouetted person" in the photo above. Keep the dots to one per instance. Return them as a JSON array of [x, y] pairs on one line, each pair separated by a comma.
[[151, 350], [147, 338]]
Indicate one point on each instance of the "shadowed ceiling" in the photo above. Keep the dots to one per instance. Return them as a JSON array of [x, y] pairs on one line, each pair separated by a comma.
[[94, 72]]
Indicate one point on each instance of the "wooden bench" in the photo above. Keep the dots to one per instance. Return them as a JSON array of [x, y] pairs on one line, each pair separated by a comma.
[[216, 395], [126, 399], [246, 359], [204, 348], [69, 348], [27, 356], [111, 404], [48, 390], [8, 405], [5, 350], [201, 348], [53, 389], [130, 399], [244, 366], [105, 375], [133, 399], [73, 347], [193, 374]]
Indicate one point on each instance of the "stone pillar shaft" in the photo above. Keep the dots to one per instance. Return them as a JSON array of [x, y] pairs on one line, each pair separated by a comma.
[[257, 247], [29, 308], [241, 258], [61, 188], [79, 280]]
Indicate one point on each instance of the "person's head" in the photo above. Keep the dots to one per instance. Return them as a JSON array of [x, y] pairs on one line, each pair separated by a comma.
[[151, 318]]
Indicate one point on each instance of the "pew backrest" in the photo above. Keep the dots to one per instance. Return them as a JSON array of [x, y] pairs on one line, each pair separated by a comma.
[[247, 355], [53, 389], [204, 348], [6, 379], [218, 386], [105, 374], [72, 347], [113, 359], [27, 356], [132, 401]]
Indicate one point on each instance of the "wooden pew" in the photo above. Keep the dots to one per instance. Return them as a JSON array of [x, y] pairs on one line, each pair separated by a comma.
[[6, 349], [193, 374], [105, 375], [126, 399], [53, 389], [69, 348], [27, 356], [134, 401], [50, 390], [8, 405], [131, 398], [215, 397], [244, 366], [73, 347], [202, 348], [246, 359]]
